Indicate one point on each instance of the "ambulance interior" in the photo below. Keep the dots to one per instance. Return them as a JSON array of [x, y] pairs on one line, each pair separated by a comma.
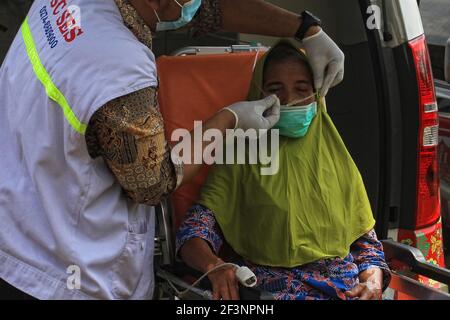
[[216, 76]]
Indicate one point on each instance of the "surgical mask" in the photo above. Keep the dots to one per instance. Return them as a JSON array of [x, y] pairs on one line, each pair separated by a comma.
[[188, 11], [295, 120]]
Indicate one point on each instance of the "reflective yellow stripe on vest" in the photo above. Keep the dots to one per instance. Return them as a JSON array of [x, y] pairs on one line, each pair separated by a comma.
[[52, 91]]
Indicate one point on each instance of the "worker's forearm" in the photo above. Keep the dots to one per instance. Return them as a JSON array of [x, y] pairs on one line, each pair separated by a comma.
[[222, 121], [258, 17], [197, 254]]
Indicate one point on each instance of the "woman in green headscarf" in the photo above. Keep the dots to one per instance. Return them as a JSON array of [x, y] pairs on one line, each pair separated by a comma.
[[306, 231]]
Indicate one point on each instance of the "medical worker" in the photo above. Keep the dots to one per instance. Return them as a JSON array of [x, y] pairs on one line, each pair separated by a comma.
[[83, 152]]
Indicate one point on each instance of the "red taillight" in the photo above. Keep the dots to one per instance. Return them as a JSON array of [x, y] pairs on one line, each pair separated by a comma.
[[428, 202]]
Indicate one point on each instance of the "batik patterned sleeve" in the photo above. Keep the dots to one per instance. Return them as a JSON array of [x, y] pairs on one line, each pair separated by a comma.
[[200, 223], [128, 133], [367, 252]]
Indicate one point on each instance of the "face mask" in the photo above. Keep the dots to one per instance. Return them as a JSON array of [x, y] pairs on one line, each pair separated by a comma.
[[188, 11], [295, 121]]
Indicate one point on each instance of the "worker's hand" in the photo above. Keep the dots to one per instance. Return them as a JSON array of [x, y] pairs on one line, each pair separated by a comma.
[[253, 115], [326, 59], [224, 282], [370, 286]]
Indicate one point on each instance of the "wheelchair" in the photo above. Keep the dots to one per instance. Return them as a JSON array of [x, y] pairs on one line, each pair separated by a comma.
[[217, 77]]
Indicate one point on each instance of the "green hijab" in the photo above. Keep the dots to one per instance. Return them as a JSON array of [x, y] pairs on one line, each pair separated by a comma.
[[315, 207]]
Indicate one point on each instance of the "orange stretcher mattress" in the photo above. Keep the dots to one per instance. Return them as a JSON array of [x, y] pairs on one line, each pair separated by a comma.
[[193, 88]]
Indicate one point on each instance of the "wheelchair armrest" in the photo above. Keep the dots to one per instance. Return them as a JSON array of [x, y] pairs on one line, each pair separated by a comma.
[[414, 259]]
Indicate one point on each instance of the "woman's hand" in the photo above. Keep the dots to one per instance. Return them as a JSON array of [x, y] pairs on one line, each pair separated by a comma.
[[370, 286], [365, 291], [224, 282]]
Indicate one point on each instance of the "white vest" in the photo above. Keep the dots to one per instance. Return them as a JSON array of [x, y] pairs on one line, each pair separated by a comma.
[[61, 211]]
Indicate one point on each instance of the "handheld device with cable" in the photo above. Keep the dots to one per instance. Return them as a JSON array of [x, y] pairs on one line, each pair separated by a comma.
[[245, 277]]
